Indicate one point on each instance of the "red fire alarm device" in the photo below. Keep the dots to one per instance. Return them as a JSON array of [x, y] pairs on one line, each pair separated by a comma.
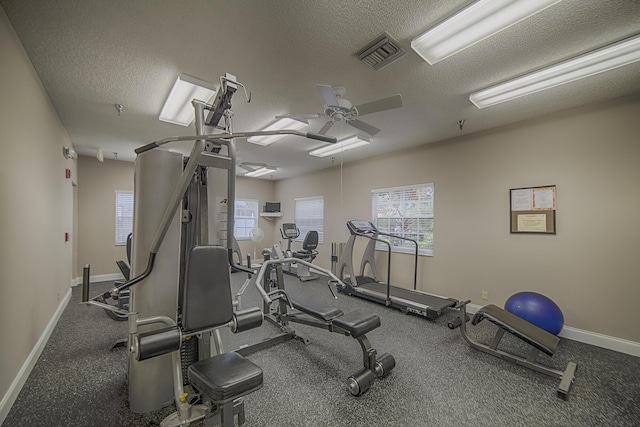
[[67, 173], [66, 237]]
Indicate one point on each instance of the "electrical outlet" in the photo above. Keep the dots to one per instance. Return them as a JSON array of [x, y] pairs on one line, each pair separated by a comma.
[[485, 295]]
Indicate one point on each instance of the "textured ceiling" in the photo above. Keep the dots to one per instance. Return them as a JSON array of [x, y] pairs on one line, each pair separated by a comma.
[[92, 54]]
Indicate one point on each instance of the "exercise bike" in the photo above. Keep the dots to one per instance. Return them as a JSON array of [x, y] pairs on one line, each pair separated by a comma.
[[290, 232]]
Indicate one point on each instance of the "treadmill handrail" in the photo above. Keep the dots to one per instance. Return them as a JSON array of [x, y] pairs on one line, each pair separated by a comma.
[[373, 236], [415, 261]]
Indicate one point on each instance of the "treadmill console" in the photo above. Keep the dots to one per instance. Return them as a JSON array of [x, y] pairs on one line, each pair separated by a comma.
[[361, 227]]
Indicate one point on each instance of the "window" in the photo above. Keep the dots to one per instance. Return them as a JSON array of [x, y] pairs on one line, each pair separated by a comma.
[[124, 215], [245, 218], [310, 216], [408, 212]]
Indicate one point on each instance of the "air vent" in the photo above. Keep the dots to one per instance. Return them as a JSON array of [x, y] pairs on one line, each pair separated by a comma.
[[381, 52]]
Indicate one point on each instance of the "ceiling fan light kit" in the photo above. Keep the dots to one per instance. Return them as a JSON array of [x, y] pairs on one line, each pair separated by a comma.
[[613, 56], [177, 108], [280, 124], [340, 146], [338, 109], [480, 20]]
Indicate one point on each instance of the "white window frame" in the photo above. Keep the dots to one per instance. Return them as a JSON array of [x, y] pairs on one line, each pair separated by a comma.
[[245, 213], [407, 211], [309, 215], [123, 216]]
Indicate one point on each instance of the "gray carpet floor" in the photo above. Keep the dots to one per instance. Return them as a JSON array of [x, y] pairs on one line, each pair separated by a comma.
[[438, 381]]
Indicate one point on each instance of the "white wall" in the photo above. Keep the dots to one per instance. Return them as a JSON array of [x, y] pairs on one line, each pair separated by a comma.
[[37, 209], [589, 268]]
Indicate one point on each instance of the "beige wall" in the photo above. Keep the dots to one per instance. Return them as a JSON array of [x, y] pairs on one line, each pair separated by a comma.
[[96, 212], [589, 268], [37, 207], [98, 182]]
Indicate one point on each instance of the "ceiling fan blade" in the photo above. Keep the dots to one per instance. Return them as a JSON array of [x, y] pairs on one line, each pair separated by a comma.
[[300, 116], [324, 129], [383, 104], [327, 94], [365, 127]]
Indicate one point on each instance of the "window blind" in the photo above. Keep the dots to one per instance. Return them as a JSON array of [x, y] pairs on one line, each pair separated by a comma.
[[124, 216], [245, 218], [408, 212], [309, 215]]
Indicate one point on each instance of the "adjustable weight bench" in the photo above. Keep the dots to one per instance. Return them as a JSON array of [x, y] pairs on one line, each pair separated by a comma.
[[355, 324], [539, 339]]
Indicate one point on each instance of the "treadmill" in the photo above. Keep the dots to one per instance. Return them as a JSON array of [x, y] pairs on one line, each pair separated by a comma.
[[406, 300]]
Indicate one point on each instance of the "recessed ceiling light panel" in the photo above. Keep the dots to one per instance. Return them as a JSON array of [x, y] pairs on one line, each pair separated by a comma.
[[482, 19], [177, 108]]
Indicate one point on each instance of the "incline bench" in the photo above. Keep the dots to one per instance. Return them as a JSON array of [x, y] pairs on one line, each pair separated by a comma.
[[539, 339]]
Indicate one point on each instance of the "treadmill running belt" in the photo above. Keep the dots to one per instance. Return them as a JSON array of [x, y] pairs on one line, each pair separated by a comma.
[[435, 303]]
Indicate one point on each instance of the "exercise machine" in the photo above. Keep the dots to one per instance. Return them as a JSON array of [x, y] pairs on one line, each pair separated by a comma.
[[290, 232], [219, 381], [281, 310], [177, 219], [371, 288], [540, 341]]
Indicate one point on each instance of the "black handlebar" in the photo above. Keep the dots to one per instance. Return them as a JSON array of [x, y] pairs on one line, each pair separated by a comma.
[[149, 146], [238, 266], [325, 138]]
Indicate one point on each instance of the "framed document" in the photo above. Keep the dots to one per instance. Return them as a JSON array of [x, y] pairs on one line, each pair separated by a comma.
[[533, 210]]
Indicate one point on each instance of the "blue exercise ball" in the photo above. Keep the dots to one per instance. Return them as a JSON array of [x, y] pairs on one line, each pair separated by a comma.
[[537, 309]]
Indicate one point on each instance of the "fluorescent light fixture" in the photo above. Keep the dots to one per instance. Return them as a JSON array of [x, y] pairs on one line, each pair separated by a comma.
[[340, 146], [177, 108], [280, 124], [262, 171], [480, 20], [589, 64]]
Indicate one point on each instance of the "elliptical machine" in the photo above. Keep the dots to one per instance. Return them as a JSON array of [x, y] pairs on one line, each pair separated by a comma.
[[290, 232]]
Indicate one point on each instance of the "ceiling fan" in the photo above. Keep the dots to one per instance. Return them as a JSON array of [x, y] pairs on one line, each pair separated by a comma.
[[338, 109]]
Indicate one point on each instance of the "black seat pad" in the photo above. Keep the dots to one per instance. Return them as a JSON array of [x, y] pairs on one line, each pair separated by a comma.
[[225, 377], [526, 331], [326, 313], [357, 322]]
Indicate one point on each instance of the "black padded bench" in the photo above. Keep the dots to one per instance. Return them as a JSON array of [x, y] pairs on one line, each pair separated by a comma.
[[281, 310], [526, 331], [355, 322], [539, 340]]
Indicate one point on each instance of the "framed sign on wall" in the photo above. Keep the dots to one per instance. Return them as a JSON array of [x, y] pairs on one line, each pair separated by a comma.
[[533, 210]]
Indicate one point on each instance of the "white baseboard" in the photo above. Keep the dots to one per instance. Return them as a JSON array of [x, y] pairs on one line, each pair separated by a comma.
[[587, 337], [15, 387], [600, 340], [98, 278]]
